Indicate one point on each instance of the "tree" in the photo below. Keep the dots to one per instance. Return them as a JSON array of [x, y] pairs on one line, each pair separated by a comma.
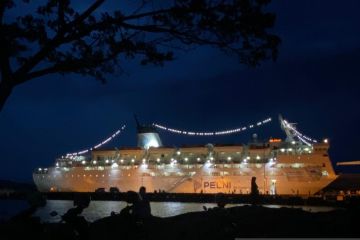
[[58, 39]]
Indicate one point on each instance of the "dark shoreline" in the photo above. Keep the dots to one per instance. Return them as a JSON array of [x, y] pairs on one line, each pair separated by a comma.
[[235, 222]]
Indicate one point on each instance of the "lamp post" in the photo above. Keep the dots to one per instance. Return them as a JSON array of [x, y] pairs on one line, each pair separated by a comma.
[[264, 178]]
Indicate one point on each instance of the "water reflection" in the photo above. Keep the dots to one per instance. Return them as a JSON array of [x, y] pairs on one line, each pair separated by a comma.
[[100, 209]]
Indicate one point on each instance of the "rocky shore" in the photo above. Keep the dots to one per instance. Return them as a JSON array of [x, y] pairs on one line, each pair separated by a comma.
[[217, 223]]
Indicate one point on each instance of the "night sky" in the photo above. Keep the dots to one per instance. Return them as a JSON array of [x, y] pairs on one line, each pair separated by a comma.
[[315, 82]]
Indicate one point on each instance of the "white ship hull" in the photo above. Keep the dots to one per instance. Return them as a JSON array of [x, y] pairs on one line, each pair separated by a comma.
[[226, 178]]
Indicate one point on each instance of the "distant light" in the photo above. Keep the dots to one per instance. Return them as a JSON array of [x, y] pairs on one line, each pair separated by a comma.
[[229, 158], [132, 160], [293, 142], [326, 140], [257, 157], [248, 157], [178, 152], [107, 161], [144, 160], [114, 165], [290, 149], [121, 160], [40, 169], [94, 162], [211, 158], [83, 162], [282, 150], [57, 164], [186, 159], [158, 160], [198, 159]]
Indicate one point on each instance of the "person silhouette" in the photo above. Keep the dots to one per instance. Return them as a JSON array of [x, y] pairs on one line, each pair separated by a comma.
[[74, 220], [254, 187], [143, 208], [254, 194]]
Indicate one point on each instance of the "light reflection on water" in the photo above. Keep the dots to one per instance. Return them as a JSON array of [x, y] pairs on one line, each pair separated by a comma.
[[100, 209]]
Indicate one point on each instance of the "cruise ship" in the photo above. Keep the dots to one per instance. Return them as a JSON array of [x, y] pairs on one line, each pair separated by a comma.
[[295, 165]]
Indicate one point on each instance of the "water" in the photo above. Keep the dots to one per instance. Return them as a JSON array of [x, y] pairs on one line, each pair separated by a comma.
[[100, 209]]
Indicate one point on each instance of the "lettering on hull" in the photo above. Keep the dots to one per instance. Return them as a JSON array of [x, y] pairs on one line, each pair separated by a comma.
[[217, 185]]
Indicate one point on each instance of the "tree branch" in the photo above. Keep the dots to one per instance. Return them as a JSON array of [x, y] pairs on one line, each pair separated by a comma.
[[61, 15], [52, 44]]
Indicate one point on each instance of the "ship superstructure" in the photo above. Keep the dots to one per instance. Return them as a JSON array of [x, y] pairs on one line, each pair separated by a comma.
[[297, 165]]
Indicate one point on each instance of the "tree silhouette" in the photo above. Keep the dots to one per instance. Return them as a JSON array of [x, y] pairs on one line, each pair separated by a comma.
[[58, 38]]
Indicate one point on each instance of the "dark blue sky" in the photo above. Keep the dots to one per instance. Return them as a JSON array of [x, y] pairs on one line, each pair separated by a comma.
[[314, 82]]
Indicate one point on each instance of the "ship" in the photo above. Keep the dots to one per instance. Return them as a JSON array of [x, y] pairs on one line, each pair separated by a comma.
[[294, 165]]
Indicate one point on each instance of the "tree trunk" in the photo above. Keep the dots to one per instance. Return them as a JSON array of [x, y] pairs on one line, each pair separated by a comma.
[[5, 91]]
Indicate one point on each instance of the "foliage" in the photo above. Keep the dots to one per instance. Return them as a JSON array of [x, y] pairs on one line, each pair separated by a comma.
[[59, 38]]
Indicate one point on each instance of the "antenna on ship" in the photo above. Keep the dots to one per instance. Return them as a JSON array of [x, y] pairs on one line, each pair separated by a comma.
[[289, 135], [137, 121]]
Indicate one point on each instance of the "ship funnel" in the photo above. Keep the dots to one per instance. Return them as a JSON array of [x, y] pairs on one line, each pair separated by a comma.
[[147, 136]]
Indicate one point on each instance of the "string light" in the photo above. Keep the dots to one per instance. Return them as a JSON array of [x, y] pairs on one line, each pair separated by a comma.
[[223, 132], [299, 135], [70, 155]]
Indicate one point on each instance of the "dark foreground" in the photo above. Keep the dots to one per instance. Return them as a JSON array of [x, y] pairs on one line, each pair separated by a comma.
[[217, 223]]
